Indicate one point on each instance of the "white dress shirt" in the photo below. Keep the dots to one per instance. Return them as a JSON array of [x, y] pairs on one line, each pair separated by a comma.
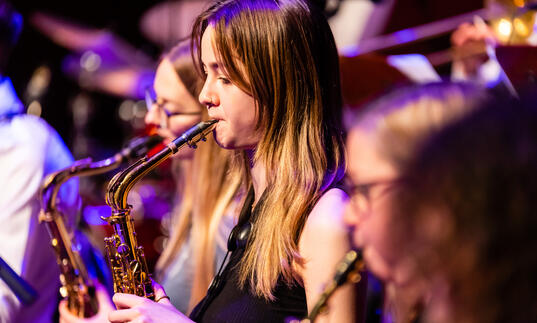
[[29, 150]]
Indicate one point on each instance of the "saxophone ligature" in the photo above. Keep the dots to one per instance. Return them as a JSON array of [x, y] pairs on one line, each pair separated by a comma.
[[126, 259], [76, 287]]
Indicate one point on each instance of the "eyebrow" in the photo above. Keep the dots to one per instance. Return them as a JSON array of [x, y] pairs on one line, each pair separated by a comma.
[[213, 66]]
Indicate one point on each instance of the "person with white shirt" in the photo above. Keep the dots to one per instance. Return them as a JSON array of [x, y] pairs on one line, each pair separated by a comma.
[[29, 150]]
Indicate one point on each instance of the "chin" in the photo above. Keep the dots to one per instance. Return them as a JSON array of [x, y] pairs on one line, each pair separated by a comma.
[[376, 264], [221, 141], [225, 145], [231, 142], [357, 239]]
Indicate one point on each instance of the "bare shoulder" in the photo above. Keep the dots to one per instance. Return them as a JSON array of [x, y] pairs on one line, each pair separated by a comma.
[[328, 211], [324, 229], [323, 243]]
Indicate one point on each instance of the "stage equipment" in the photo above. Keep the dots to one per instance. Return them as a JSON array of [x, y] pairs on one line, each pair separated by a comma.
[[26, 294], [511, 21]]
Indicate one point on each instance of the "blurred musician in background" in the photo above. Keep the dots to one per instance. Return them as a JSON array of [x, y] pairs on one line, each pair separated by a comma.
[[381, 142], [465, 216], [493, 46], [29, 150], [471, 62]]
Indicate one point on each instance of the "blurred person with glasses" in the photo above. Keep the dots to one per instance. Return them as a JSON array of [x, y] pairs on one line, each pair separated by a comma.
[[382, 140], [165, 109], [465, 215], [207, 195]]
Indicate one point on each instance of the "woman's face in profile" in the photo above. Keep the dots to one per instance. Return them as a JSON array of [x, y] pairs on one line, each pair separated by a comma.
[[234, 109], [368, 214], [174, 109]]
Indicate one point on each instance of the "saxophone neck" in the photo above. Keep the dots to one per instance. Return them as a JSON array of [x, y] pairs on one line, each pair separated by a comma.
[[51, 185], [121, 184], [348, 269], [86, 167]]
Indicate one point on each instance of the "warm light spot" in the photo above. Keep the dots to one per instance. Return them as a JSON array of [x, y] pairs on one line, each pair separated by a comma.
[[39, 81], [126, 110], [90, 61], [521, 29], [139, 109], [519, 3], [505, 27], [35, 108]]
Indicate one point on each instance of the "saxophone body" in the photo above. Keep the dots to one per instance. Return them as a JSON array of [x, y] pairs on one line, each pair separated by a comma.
[[127, 260], [77, 287]]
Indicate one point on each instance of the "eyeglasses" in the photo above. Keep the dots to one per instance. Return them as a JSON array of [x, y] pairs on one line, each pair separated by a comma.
[[151, 100], [362, 194]]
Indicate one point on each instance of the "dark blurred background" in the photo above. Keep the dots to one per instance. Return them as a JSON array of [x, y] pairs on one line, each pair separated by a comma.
[[35, 50]]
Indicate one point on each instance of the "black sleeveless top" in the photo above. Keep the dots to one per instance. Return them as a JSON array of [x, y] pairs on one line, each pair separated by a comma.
[[226, 302]]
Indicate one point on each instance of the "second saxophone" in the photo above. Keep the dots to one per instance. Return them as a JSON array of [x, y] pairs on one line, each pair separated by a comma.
[[77, 287]]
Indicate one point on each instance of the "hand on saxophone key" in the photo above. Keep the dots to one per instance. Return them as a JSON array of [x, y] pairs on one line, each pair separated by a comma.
[[132, 308], [105, 306]]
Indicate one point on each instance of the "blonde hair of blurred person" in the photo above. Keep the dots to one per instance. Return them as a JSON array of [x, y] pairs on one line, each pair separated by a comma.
[[465, 215], [205, 192], [381, 141]]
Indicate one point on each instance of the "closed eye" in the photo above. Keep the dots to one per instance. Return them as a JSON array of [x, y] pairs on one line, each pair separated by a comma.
[[224, 80]]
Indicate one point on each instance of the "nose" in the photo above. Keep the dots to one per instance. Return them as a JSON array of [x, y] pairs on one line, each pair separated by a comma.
[[207, 95], [153, 116], [350, 216]]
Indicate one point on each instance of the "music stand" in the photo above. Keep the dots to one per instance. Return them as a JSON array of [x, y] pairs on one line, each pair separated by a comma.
[[364, 77]]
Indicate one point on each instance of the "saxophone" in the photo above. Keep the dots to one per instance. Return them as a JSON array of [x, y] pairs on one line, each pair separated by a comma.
[[348, 270], [127, 260], [76, 287]]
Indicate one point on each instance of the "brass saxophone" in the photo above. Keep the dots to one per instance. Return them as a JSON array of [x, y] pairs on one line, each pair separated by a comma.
[[76, 287], [127, 260], [348, 270]]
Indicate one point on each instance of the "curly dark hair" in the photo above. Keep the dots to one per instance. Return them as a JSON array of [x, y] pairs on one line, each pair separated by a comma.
[[467, 211]]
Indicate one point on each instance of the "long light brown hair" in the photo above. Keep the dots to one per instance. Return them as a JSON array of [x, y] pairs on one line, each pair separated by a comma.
[[283, 54], [402, 119], [203, 197]]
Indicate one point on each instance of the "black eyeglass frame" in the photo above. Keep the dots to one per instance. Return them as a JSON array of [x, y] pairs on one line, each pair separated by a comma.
[[150, 99], [364, 189]]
